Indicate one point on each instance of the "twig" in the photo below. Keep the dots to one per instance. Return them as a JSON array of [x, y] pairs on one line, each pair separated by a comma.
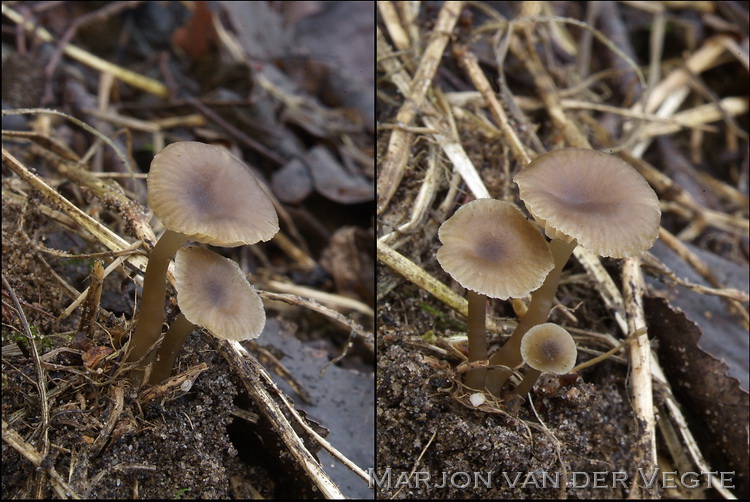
[[640, 356], [41, 378], [136, 80], [256, 381], [394, 163]]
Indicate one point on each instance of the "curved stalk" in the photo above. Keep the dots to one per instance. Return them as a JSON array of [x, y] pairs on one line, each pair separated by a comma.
[[541, 304], [151, 313], [529, 379], [167, 354]]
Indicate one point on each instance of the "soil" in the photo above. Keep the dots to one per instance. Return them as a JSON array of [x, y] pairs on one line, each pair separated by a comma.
[[575, 426]]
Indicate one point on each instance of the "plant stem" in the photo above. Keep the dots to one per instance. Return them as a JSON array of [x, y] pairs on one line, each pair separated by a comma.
[[173, 341], [151, 314], [477, 339], [541, 304]]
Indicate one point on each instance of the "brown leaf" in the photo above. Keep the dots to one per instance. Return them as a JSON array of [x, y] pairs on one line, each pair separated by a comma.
[[349, 259], [92, 357], [198, 38], [716, 402]]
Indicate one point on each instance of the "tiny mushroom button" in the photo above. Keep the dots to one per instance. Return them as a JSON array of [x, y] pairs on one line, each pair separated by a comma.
[[546, 348], [201, 193]]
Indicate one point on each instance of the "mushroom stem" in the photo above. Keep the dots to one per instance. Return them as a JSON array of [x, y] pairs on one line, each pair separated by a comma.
[[529, 379], [542, 300], [151, 315], [173, 341], [477, 339]]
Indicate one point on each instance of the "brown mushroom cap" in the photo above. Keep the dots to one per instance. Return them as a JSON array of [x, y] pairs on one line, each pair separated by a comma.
[[204, 192], [490, 247], [549, 348], [213, 292], [595, 198]]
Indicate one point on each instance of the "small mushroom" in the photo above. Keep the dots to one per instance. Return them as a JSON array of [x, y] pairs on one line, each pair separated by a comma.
[[581, 197], [491, 249], [212, 292], [202, 193], [546, 348]]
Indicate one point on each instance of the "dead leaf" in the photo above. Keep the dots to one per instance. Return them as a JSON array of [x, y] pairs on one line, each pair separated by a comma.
[[701, 384], [334, 182], [92, 357], [349, 259]]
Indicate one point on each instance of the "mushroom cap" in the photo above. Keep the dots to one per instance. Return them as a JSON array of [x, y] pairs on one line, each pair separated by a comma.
[[549, 348], [213, 292], [204, 192], [592, 197], [490, 247]]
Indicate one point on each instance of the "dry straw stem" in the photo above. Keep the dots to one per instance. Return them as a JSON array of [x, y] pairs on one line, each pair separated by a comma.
[[112, 266], [397, 154], [416, 275], [661, 269], [393, 24], [640, 355], [107, 191], [30, 453], [427, 191], [136, 80], [668, 95], [413, 273], [664, 185], [150, 126], [684, 449], [471, 66], [102, 233], [697, 116], [333, 300], [41, 383], [704, 270], [605, 285], [439, 125], [313, 305]]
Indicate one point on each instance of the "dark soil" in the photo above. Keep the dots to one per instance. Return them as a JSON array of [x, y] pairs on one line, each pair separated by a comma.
[[578, 427]]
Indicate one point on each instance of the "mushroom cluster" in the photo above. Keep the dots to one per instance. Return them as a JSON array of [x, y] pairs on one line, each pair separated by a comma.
[[200, 193], [491, 249], [580, 197]]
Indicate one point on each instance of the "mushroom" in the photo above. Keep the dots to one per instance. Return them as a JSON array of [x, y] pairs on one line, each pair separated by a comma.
[[202, 193], [212, 292], [546, 348], [581, 197], [491, 249]]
